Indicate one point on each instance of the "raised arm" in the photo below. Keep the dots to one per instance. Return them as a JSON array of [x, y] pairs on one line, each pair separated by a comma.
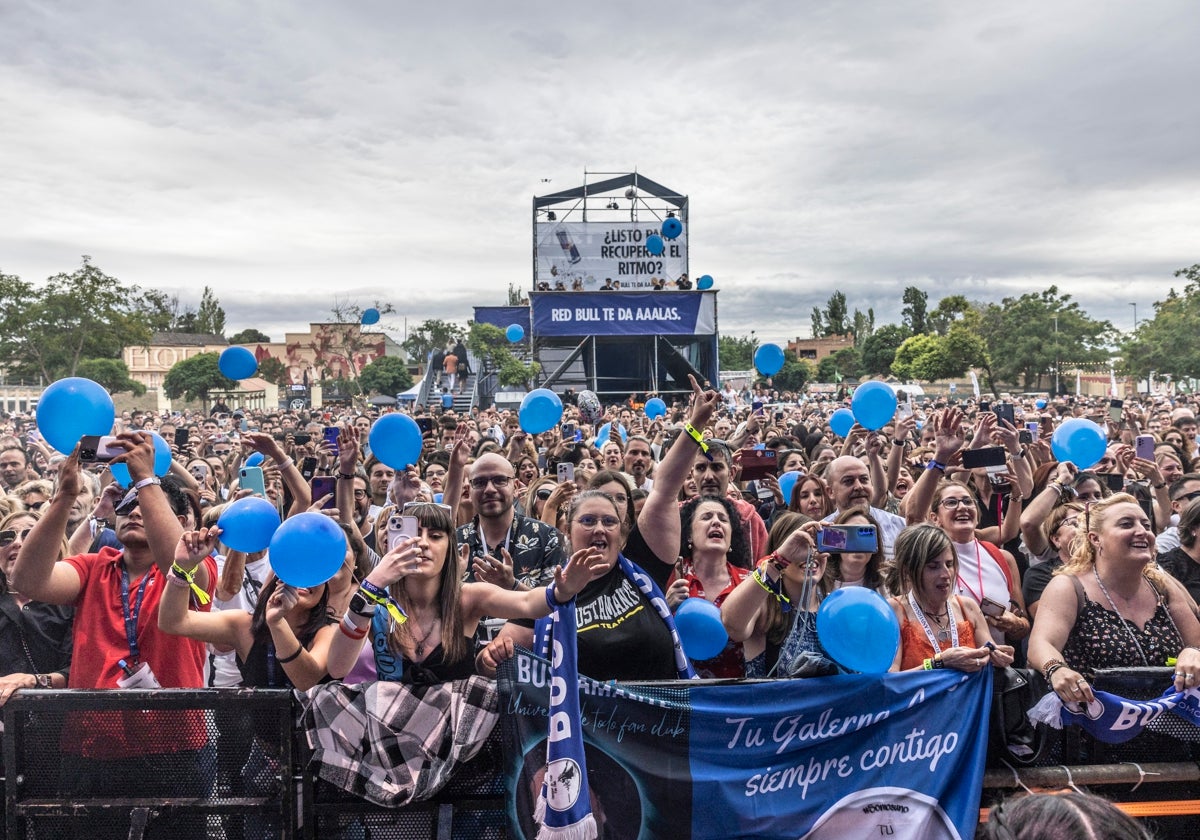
[[947, 442], [225, 629], [289, 472], [742, 610], [36, 574], [1043, 505]]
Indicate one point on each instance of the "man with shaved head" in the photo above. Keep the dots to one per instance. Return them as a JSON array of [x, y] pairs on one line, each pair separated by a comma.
[[849, 483]]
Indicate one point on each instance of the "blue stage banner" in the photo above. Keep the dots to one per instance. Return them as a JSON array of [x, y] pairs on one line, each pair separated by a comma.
[[899, 756], [623, 313]]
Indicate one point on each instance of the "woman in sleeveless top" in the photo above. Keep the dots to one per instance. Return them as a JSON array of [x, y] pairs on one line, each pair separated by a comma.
[[1110, 606], [938, 629]]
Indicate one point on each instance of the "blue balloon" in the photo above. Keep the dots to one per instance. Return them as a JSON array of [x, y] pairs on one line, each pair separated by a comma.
[[162, 462], [540, 411], [71, 408], [514, 333], [307, 550], [255, 459], [858, 630], [437, 498], [873, 405], [655, 245], [768, 359], [655, 408], [1079, 441], [370, 316], [700, 628], [705, 282], [237, 363], [841, 422], [602, 435], [787, 483], [248, 524], [671, 227], [395, 439], [1040, 403]]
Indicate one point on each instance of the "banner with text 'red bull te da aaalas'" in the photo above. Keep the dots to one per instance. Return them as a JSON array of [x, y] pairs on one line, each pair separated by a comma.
[[900, 756]]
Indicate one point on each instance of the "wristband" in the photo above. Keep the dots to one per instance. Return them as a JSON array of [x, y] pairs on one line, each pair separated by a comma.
[[292, 658], [778, 560], [146, 482], [927, 665], [935, 465], [899, 442], [1050, 667], [695, 435], [382, 597], [190, 577], [343, 477], [350, 630], [286, 462], [774, 588], [1159, 486]]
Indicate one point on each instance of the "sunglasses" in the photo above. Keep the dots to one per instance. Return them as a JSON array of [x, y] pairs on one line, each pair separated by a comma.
[[127, 505], [1187, 497], [496, 481], [9, 537], [543, 493]]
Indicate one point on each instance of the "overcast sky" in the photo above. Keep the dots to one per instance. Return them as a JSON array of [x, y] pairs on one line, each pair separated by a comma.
[[287, 152]]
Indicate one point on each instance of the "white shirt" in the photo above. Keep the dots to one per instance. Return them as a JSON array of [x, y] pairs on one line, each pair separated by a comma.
[[890, 526]]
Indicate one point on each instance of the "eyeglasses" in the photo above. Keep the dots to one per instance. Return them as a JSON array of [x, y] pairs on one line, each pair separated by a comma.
[[590, 520], [956, 502], [359, 493], [9, 537], [497, 481], [1072, 522], [1187, 497]]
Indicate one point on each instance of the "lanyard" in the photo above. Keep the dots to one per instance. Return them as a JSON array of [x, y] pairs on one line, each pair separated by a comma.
[[920, 614], [979, 573], [131, 616], [507, 537]]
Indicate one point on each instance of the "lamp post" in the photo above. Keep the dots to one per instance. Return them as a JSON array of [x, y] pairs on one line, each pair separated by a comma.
[[1134, 305], [1056, 391]]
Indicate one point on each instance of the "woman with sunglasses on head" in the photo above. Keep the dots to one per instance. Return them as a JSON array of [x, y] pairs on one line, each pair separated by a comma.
[[537, 494]]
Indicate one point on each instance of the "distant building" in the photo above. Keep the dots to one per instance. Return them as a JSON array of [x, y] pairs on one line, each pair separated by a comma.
[[815, 349], [149, 364]]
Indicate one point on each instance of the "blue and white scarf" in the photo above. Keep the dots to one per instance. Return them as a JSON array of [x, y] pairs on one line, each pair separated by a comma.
[[1113, 719]]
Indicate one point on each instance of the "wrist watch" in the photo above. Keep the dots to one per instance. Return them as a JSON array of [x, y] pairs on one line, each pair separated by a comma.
[[44, 680]]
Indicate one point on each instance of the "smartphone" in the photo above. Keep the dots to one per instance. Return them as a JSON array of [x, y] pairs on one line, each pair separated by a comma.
[[1115, 481], [1004, 411], [984, 405], [848, 539], [568, 431], [757, 463], [323, 485], [1024, 437], [199, 471], [182, 437], [308, 468], [992, 608], [425, 424], [401, 528], [331, 434], [251, 478], [244, 426], [302, 438], [1143, 447], [566, 472], [991, 458], [1116, 410], [98, 449], [1035, 428], [906, 409]]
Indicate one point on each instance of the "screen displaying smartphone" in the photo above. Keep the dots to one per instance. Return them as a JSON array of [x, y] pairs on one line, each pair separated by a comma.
[[98, 449], [324, 485], [992, 608], [991, 458], [308, 468], [905, 408], [181, 438], [756, 463], [1144, 447], [1116, 410], [401, 528], [302, 438], [566, 472], [1004, 411], [251, 478], [425, 424], [568, 431], [848, 539]]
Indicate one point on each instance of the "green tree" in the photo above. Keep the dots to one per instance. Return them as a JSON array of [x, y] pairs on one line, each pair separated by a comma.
[[274, 371], [916, 304], [1167, 342], [862, 325], [843, 364], [879, 350], [210, 317], [919, 357], [927, 357], [490, 344], [835, 314], [736, 353], [385, 375], [192, 378], [112, 374], [429, 336], [948, 310], [250, 336], [794, 375]]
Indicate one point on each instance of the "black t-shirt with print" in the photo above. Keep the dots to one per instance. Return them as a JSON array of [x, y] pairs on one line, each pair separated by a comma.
[[1183, 568]]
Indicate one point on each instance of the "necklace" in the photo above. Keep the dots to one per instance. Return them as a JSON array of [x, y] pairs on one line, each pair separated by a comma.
[[935, 641], [1125, 623], [419, 648]]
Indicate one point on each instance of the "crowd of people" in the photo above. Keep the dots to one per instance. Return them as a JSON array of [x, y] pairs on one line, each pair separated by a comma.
[[1029, 559]]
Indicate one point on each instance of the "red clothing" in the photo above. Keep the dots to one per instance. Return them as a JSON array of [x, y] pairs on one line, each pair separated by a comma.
[[100, 641], [730, 663], [915, 644], [756, 530]]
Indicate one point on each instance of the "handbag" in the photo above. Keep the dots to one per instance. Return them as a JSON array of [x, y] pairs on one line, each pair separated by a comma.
[[1012, 738]]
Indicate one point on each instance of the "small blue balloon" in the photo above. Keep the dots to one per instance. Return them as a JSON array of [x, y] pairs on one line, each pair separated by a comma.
[[602, 435], [437, 498], [395, 439], [162, 462], [655, 408], [873, 405], [1040, 403], [71, 408], [655, 245], [255, 459], [237, 363], [700, 629], [370, 316], [841, 422], [540, 411], [1079, 441], [514, 333], [307, 550], [671, 227], [705, 282], [787, 483], [248, 524], [859, 630], [768, 359]]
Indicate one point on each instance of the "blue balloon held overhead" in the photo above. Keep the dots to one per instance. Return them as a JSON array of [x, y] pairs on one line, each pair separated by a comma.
[[162, 462], [655, 408], [255, 459], [602, 434], [700, 629], [841, 422], [768, 359], [540, 411], [858, 630], [71, 408], [514, 333], [1040, 403], [671, 227], [787, 483], [655, 245], [873, 405], [1079, 441], [705, 282], [395, 439], [370, 316], [237, 363], [307, 550], [248, 524]]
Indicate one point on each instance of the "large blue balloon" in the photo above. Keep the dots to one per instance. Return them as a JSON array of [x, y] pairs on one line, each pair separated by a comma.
[[655, 245], [769, 359], [705, 282], [1040, 403], [602, 435], [237, 363], [655, 408], [248, 524], [787, 483], [71, 408], [514, 333], [395, 439], [162, 462], [540, 411], [858, 629], [370, 316], [671, 227], [307, 550], [841, 422], [700, 628], [873, 405], [1079, 441]]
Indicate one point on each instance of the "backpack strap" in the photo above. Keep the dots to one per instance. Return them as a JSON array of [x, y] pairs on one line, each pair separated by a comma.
[[1000, 561]]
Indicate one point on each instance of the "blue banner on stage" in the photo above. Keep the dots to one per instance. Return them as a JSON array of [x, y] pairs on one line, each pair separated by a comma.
[[898, 756], [623, 313]]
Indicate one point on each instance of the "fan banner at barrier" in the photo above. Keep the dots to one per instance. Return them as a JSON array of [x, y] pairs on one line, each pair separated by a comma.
[[898, 756], [1113, 719], [624, 313], [581, 256]]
